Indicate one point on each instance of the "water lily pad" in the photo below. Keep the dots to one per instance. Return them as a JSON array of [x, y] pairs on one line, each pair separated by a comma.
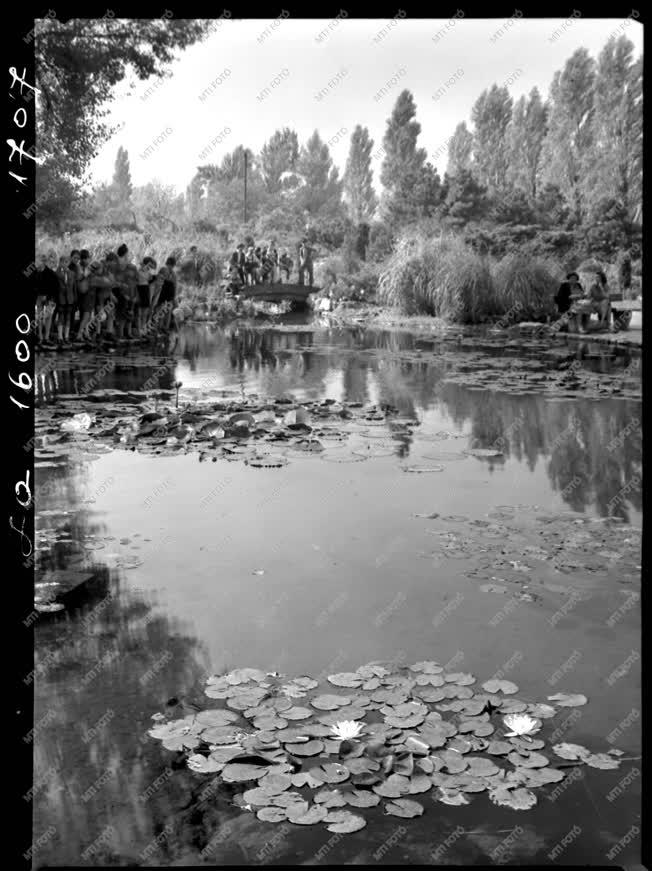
[[361, 798], [420, 783], [267, 461], [481, 767], [420, 470], [529, 760], [602, 760], [297, 713], [541, 711], [542, 776], [330, 798], [315, 814], [305, 778], [242, 700], [407, 722], [361, 765], [499, 748], [454, 763], [417, 745], [239, 772], [483, 453], [572, 752], [245, 675], [271, 814], [516, 799], [216, 717], [497, 686], [427, 667], [330, 703], [203, 764], [450, 796], [346, 679], [527, 744], [344, 822], [396, 785], [330, 772], [274, 784], [513, 706], [404, 807], [309, 748], [568, 700]]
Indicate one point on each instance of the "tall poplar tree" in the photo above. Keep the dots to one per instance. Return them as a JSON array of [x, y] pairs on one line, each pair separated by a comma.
[[568, 146], [279, 155], [405, 177], [525, 135], [122, 186], [616, 167], [359, 195], [322, 186], [491, 115], [460, 150]]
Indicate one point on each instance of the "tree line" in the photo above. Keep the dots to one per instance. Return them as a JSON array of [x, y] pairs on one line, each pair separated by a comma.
[[569, 166]]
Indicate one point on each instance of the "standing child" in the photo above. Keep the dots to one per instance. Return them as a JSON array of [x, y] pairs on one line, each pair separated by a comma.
[[250, 265], [65, 301], [143, 288], [305, 262], [100, 285], [86, 295], [285, 265], [168, 293]]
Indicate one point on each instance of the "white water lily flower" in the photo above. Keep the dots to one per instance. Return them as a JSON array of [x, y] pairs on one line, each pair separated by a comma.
[[520, 724], [346, 729]]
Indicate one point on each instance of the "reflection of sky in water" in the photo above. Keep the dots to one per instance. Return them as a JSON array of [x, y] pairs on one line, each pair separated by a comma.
[[345, 582]]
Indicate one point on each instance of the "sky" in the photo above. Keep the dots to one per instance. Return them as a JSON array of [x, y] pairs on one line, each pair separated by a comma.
[[251, 77]]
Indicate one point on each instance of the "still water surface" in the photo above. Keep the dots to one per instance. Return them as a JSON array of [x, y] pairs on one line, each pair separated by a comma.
[[349, 575]]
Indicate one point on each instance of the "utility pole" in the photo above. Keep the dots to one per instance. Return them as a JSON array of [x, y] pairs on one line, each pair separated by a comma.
[[245, 186]]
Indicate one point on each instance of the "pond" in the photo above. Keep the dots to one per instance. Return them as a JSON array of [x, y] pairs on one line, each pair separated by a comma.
[[518, 560]]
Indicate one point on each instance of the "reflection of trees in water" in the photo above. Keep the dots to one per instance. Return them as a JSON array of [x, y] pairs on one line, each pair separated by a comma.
[[63, 488], [119, 664], [574, 434], [355, 379], [585, 449], [100, 373]]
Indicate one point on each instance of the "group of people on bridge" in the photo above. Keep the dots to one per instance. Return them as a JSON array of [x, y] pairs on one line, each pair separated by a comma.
[[256, 264]]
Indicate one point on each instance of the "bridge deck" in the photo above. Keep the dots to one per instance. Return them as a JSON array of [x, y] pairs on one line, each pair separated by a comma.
[[278, 292]]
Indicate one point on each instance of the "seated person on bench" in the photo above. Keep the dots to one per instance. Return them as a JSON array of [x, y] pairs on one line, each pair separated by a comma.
[[569, 290], [598, 294]]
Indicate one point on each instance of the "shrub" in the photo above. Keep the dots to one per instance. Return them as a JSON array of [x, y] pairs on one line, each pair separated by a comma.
[[441, 277], [381, 242], [525, 286]]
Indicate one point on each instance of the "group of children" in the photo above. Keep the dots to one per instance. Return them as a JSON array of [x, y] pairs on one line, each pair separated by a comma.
[[112, 298], [265, 265]]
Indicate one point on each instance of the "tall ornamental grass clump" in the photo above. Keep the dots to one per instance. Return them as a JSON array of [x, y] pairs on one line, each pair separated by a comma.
[[525, 286], [441, 277]]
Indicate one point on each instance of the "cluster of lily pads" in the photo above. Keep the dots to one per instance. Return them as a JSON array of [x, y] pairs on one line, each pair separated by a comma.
[[521, 549], [262, 433], [305, 756], [552, 377]]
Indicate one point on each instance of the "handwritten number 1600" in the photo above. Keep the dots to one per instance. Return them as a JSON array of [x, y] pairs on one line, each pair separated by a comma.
[[22, 355]]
